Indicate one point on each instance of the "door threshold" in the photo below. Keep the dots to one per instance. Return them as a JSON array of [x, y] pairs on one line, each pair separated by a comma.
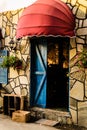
[[58, 109], [51, 114]]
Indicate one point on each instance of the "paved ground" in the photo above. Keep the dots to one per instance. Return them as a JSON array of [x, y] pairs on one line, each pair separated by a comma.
[[6, 123], [70, 127]]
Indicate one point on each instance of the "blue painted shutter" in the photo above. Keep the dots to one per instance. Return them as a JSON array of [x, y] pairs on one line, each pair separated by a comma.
[[3, 71], [38, 72]]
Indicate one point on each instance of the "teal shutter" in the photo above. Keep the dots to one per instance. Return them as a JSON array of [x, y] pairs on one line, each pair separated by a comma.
[[3, 71]]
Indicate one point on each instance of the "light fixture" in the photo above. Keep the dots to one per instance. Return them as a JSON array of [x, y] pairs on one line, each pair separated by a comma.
[[12, 44]]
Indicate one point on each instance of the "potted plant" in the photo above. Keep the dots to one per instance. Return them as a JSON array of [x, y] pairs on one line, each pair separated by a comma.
[[11, 61]]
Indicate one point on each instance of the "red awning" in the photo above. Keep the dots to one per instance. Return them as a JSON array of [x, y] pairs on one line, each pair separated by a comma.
[[46, 17]]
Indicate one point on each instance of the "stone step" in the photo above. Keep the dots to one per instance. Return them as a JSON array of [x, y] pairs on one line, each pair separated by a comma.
[[62, 117]]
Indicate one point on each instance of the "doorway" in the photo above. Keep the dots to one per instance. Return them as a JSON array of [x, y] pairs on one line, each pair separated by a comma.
[[49, 84], [57, 69]]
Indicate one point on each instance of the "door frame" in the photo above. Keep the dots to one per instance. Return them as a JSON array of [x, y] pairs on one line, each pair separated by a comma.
[[68, 40]]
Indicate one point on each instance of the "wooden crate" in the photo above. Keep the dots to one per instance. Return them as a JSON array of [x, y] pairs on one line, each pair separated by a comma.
[[12, 103], [21, 116]]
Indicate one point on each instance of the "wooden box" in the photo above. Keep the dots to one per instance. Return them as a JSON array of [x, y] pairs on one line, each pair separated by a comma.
[[21, 116], [12, 102]]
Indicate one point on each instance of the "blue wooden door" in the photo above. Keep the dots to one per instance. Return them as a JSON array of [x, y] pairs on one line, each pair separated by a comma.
[[38, 72]]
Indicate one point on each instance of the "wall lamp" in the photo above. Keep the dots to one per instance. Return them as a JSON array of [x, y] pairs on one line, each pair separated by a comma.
[[12, 44]]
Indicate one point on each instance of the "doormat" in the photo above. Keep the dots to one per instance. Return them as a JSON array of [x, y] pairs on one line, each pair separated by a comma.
[[47, 122]]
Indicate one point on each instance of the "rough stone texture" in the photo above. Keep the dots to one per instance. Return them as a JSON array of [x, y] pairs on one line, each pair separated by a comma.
[[73, 43], [85, 23], [23, 80], [74, 115], [1, 101], [78, 81], [17, 90], [62, 117], [77, 91], [72, 53], [73, 103], [81, 13], [82, 116], [84, 2], [79, 40], [23, 91], [79, 47], [78, 75], [73, 2], [86, 83], [13, 73], [81, 31], [69, 121]]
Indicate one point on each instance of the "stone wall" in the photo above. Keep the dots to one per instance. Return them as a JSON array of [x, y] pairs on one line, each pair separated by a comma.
[[19, 80], [78, 77]]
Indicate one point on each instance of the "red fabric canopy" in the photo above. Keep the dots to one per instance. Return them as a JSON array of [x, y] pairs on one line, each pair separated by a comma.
[[46, 17]]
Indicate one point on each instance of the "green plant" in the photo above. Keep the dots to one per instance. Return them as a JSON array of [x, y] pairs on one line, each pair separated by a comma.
[[81, 59], [11, 61]]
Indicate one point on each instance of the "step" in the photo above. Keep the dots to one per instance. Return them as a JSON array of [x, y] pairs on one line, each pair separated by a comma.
[[62, 117]]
